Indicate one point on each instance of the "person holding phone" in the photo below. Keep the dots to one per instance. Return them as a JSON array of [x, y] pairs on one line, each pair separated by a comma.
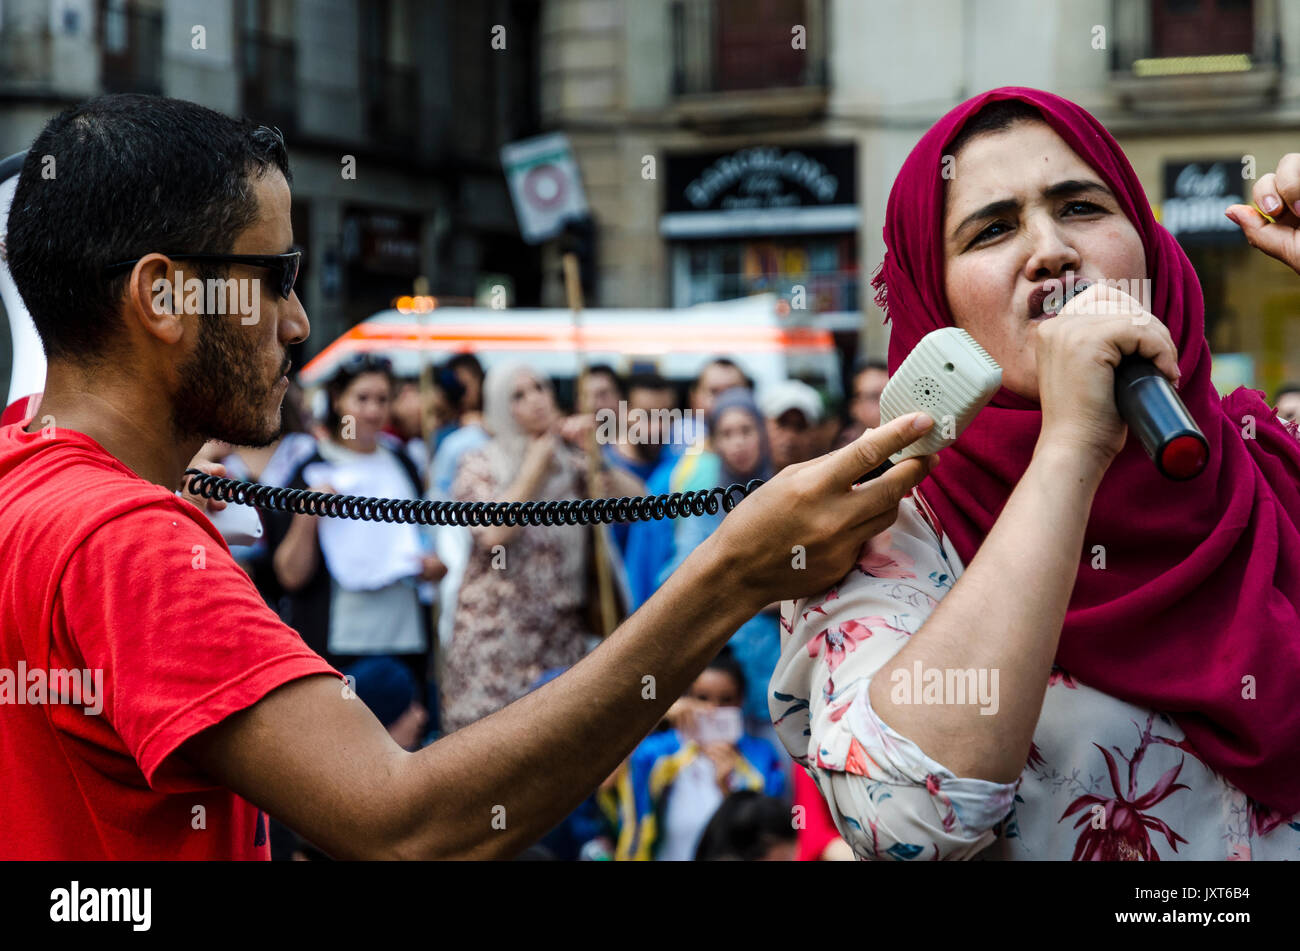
[[677, 778]]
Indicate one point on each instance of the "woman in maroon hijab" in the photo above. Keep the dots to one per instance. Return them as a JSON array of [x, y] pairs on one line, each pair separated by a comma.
[[1056, 652]]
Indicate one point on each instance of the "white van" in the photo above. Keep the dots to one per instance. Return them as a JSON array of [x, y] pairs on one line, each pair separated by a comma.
[[675, 343]]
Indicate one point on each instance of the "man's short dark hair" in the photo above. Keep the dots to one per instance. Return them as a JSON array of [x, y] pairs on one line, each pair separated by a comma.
[[1284, 389], [607, 371], [723, 362], [648, 381], [116, 178]]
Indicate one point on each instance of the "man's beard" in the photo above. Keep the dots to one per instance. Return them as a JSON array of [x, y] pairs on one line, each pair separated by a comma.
[[220, 396]]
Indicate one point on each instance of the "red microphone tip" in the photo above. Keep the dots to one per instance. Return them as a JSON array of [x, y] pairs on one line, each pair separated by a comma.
[[1184, 457]]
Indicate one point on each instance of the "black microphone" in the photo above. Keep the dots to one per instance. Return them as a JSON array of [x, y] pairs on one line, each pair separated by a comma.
[[1157, 415]]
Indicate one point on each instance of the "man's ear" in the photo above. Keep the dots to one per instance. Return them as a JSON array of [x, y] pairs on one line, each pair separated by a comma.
[[153, 298]]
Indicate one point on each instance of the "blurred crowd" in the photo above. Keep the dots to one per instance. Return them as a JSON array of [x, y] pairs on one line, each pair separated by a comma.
[[439, 626]]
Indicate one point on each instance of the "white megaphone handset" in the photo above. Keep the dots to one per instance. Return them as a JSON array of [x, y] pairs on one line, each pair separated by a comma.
[[947, 376]]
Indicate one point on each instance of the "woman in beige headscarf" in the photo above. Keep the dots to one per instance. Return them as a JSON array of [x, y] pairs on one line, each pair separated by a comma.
[[522, 605]]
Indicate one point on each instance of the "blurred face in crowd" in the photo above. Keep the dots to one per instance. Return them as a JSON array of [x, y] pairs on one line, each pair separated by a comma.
[[368, 400], [407, 729], [1288, 406], [790, 437], [439, 409], [532, 405], [717, 688], [994, 262], [716, 379], [736, 440], [867, 387], [472, 401], [653, 403], [406, 410], [599, 393]]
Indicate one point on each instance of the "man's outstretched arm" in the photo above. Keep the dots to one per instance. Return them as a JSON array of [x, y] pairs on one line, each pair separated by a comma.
[[322, 764]]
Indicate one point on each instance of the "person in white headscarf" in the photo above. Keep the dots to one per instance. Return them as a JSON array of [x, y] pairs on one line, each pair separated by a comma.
[[522, 608]]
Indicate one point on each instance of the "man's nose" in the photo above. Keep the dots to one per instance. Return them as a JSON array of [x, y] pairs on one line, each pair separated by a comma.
[[294, 325]]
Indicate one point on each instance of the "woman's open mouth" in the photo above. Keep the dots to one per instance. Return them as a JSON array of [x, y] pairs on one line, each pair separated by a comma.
[[1047, 300]]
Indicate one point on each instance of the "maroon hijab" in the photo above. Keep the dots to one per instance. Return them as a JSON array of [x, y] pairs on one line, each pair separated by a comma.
[[1197, 610]]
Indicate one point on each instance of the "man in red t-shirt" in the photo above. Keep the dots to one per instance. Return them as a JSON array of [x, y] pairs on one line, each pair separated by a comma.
[[151, 705]]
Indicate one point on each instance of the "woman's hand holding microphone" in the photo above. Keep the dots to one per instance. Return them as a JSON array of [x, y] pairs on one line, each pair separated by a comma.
[[1077, 352]]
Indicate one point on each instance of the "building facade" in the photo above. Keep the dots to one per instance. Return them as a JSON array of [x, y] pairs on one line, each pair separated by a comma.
[[776, 128], [393, 110]]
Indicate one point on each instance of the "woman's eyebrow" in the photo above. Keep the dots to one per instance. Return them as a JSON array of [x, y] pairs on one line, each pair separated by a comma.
[[1001, 207], [1075, 186], [1062, 189]]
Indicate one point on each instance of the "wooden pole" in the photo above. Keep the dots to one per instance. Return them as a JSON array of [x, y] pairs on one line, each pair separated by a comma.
[[436, 660], [604, 583]]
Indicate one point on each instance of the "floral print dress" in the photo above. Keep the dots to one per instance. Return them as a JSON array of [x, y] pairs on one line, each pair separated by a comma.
[[1104, 779], [521, 608]]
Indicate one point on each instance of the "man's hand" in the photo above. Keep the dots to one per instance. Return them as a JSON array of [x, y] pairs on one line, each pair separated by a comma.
[[207, 506], [1278, 195], [801, 532], [316, 758]]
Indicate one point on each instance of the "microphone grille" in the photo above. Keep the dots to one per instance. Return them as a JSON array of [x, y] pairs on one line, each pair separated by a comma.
[[926, 391]]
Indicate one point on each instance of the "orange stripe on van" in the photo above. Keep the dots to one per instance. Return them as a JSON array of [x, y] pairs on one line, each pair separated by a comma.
[[646, 339]]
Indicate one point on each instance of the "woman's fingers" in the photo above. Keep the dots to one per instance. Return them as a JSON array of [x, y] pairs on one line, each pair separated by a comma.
[[1125, 321], [1277, 194], [1265, 195]]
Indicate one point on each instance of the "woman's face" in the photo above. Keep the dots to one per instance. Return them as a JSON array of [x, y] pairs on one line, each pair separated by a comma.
[[1023, 209], [716, 688], [531, 405], [367, 400], [736, 440]]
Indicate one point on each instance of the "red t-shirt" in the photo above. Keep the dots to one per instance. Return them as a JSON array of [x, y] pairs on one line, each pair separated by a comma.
[[106, 574], [819, 828]]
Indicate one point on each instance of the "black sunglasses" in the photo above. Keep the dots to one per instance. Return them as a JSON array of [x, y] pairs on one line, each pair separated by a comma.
[[283, 267]]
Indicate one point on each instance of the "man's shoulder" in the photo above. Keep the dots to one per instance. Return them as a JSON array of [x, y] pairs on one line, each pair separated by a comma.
[[67, 490], [56, 494]]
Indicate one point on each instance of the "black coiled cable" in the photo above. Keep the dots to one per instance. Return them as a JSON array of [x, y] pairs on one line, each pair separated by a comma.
[[418, 512]]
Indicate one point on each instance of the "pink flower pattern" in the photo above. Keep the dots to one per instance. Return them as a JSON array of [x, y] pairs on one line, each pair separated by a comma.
[[1122, 833], [1158, 802]]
